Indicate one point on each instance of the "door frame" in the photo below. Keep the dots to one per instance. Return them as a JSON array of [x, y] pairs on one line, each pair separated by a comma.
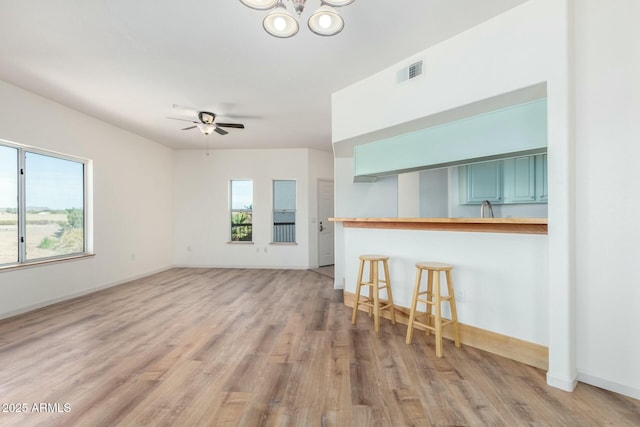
[[318, 252]]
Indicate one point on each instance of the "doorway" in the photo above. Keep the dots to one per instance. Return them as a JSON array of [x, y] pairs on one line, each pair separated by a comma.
[[325, 227]]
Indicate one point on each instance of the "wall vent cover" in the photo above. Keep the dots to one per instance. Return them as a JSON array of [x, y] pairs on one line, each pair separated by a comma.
[[415, 70], [411, 72]]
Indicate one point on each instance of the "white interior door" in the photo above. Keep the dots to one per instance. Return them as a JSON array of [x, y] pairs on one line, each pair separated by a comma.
[[325, 227]]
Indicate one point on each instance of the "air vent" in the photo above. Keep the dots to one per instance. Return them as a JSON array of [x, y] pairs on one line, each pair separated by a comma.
[[411, 72], [415, 70]]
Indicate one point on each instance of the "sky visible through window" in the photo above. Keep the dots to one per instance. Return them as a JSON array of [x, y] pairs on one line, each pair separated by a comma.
[[242, 194], [51, 183], [8, 178]]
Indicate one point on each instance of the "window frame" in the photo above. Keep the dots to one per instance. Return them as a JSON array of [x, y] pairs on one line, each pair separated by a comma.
[[246, 210], [274, 211], [87, 234]]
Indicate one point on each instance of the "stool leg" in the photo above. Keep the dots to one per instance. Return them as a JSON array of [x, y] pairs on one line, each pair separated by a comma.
[[376, 297], [454, 312], [389, 294], [429, 307], [438, 319], [354, 316], [414, 304], [370, 289]]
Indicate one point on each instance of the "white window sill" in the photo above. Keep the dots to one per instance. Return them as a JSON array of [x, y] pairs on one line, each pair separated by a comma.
[[237, 242], [284, 243], [31, 264]]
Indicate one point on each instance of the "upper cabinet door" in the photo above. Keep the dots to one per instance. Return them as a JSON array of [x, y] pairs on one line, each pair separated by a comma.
[[541, 178], [520, 180], [484, 182]]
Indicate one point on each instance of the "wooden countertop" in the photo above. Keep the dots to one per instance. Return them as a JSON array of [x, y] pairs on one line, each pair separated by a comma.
[[486, 225]]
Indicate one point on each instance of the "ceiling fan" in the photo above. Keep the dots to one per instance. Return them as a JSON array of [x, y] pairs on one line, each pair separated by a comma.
[[207, 124]]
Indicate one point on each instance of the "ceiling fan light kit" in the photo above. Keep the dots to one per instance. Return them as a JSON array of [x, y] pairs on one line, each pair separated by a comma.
[[325, 21], [206, 128], [206, 123]]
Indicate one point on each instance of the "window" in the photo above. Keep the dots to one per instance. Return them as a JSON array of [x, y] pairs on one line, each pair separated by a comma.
[[241, 211], [8, 205], [42, 206], [284, 211]]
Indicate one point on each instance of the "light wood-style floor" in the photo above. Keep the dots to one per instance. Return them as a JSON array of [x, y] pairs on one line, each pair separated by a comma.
[[199, 347]]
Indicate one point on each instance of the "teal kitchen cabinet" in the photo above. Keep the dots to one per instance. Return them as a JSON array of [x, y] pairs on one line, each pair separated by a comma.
[[483, 182], [520, 179], [541, 178]]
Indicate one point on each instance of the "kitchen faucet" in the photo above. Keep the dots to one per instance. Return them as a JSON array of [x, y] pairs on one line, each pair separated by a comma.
[[487, 203]]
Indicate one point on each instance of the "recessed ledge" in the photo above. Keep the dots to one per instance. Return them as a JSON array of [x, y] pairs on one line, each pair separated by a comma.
[[484, 225]]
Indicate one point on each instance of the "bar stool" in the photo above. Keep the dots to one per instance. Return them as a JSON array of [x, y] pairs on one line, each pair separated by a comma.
[[373, 300], [433, 298]]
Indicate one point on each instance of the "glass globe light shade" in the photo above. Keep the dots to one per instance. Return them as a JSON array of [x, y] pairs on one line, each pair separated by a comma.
[[325, 21], [259, 4], [280, 23], [338, 3], [205, 128]]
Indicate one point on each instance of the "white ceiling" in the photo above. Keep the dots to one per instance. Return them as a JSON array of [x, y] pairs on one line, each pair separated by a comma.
[[128, 62]]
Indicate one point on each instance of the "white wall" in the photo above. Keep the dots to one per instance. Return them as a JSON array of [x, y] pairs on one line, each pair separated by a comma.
[[359, 199], [132, 202], [202, 213], [434, 193], [607, 97], [524, 47], [409, 194], [364, 199]]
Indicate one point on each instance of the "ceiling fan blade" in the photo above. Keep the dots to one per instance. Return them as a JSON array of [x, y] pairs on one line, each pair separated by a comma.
[[231, 125], [184, 120], [190, 127], [220, 131]]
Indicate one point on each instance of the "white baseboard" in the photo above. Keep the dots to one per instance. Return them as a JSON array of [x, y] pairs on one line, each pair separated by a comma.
[[251, 267], [26, 309], [609, 385], [562, 383]]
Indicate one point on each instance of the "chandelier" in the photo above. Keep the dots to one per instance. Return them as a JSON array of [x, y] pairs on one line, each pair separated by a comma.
[[279, 22]]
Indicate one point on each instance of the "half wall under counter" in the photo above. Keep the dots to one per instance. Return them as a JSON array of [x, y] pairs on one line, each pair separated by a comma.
[[501, 274]]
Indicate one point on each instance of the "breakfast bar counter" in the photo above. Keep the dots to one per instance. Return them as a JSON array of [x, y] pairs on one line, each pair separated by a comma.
[[487, 225], [500, 275]]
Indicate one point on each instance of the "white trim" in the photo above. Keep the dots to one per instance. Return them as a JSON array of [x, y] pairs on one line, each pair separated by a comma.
[[609, 385], [251, 267], [562, 383], [43, 151]]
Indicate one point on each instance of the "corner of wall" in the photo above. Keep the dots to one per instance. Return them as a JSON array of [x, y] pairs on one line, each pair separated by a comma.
[[566, 384]]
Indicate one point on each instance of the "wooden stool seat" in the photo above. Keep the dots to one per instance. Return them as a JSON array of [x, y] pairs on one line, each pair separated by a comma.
[[373, 258], [373, 300], [433, 298], [435, 266]]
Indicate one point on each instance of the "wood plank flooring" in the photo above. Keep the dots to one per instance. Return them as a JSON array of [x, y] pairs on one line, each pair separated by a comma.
[[233, 347]]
